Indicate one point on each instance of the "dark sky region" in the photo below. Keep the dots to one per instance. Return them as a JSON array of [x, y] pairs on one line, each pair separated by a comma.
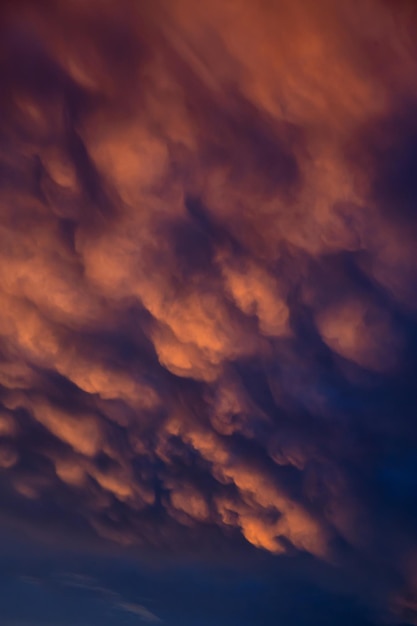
[[208, 312]]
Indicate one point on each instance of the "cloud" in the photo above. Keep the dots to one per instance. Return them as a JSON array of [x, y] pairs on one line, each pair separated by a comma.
[[141, 611], [88, 583], [207, 277]]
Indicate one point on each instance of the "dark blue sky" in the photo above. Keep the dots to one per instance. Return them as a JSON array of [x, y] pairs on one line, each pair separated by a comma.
[[43, 586]]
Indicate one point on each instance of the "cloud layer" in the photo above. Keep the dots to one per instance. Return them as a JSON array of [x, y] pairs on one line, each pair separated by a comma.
[[208, 276]]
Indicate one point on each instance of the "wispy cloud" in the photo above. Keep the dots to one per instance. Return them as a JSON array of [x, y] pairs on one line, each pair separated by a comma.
[[89, 583], [141, 611]]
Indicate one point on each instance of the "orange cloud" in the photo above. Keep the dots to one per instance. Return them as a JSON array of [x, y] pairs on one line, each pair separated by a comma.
[[207, 268]]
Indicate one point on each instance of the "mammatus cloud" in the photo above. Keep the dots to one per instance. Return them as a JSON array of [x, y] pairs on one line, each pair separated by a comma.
[[207, 275]]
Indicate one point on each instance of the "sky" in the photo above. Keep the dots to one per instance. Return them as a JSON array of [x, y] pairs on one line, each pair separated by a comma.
[[208, 312]]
